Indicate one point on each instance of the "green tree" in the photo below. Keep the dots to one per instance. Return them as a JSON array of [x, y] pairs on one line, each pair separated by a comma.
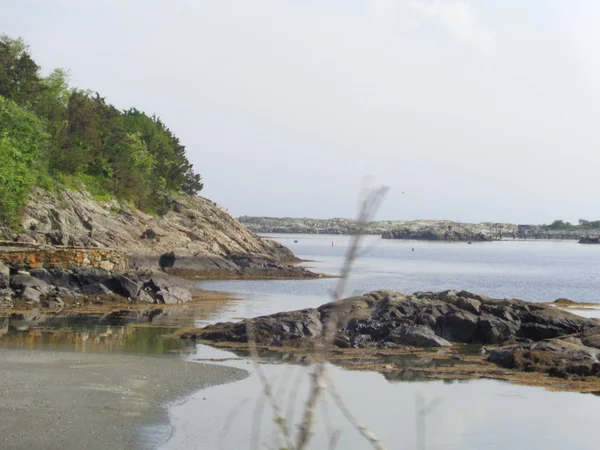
[[133, 169], [49, 128], [19, 74], [559, 225], [52, 106], [22, 139]]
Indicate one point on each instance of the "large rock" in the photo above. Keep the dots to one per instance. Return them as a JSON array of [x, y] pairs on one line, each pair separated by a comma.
[[557, 357], [167, 260], [168, 289], [59, 284], [203, 235], [31, 295], [417, 336], [22, 281], [131, 288], [424, 319], [4, 276]]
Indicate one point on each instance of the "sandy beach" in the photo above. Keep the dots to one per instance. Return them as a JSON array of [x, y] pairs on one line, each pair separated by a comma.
[[66, 400]]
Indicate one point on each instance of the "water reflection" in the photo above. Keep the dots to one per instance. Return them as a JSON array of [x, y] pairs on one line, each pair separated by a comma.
[[58, 333], [473, 415], [128, 330]]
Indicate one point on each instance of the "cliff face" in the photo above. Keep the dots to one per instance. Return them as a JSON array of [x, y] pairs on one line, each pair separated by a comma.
[[202, 235]]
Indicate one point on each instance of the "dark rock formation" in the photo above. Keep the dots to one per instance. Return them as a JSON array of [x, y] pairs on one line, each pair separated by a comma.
[[167, 260], [589, 240], [424, 319], [55, 287], [576, 355]]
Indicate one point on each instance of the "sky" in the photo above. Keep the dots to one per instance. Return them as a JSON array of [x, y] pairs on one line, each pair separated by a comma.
[[477, 111]]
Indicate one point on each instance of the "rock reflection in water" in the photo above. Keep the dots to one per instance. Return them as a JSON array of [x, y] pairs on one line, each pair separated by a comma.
[[127, 330], [131, 338], [404, 367]]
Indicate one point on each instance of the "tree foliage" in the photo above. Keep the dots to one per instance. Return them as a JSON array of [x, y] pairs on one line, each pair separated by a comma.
[[78, 134], [22, 141], [19, 77], [582, 224]]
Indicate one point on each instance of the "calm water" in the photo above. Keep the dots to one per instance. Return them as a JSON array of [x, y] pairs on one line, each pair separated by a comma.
[[482, 414], [530, 270], [474, 415]]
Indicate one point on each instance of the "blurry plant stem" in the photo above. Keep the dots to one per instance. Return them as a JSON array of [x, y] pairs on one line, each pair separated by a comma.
[[364, 431], [368, 207], [423, 409], [228, 422], [267, 389]]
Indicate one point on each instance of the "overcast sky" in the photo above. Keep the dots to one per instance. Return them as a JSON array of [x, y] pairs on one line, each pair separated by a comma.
[[472, 111]]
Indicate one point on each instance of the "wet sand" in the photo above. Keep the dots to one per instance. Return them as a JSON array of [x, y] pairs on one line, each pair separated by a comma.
[[65, 400]]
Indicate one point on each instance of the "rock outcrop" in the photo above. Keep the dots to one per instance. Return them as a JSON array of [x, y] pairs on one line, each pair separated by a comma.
[[589, 240], [61, 287], [424, 319], [416, 229], [518, 335], [443, 231], [200, 234], [575, 355]]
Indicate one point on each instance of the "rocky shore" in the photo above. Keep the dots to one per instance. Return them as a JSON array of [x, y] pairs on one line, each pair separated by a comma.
[[58, 288], [71, 248], [511, 334], [201, 234]]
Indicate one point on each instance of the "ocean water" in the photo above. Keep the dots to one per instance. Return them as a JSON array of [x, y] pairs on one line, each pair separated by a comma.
[[537, 271], [479, 414]]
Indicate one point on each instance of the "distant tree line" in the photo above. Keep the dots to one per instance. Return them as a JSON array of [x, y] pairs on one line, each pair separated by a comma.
[[51, 133], [581, 225]]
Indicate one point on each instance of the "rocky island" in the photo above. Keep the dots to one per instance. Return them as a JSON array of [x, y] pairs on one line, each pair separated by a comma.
[[444, 231], [511, 334], [437, 230]]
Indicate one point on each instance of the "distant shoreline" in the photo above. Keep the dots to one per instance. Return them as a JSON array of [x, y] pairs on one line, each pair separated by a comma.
[[425, 230]]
